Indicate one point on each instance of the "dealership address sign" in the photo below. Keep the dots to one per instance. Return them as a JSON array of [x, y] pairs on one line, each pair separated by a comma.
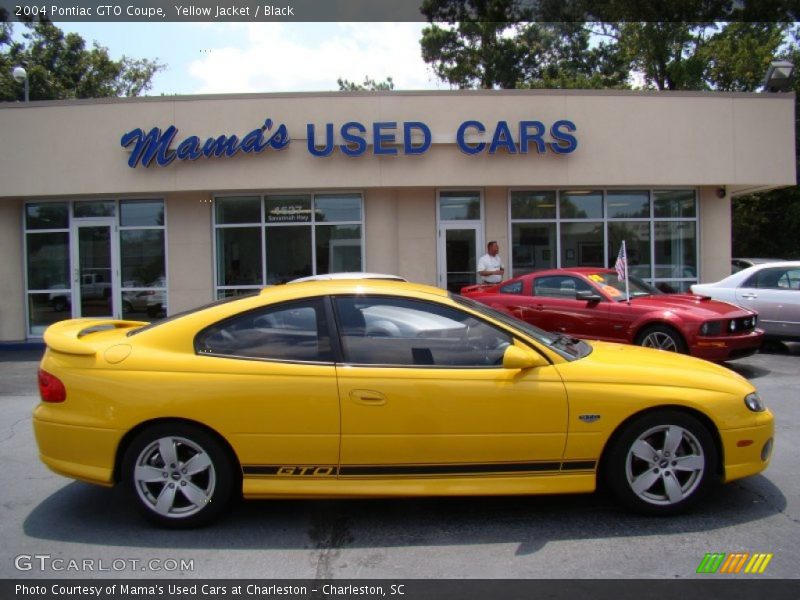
[[385, 138]]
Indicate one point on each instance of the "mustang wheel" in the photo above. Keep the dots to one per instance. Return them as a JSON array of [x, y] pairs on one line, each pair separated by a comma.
[[661, 337], [662, 463], [180, 475]]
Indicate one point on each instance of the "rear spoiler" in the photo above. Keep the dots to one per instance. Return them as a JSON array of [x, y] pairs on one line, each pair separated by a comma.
[[65, 336], [477, 288]]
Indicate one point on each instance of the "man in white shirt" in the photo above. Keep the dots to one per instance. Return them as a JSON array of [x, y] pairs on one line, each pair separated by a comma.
[[490, 265]]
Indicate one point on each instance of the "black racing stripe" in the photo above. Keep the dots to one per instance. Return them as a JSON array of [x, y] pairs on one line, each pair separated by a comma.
[[398, 470], [452, 469], [579, 465]]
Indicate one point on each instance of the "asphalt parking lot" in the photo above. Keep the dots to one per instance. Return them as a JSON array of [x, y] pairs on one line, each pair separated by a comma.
[[47, 518]]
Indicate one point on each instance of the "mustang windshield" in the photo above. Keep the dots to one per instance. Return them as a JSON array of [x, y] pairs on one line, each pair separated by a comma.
[[615, 287], [568, 347]]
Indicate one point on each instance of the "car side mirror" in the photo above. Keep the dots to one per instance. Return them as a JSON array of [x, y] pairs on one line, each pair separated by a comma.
[[588, 296], [518, 358]]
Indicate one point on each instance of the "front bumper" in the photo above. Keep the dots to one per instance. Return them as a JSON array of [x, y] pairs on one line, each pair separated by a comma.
[[748, 450], [721, 348]]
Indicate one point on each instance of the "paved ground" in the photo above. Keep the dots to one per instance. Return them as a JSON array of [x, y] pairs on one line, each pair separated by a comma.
[[47, 519]]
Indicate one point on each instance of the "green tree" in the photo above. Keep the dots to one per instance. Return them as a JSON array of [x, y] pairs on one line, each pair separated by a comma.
[[345, 85], [60, 67], [496, 44]]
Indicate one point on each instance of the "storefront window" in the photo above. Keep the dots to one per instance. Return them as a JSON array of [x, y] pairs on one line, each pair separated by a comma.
[[533, 247], [459, 206], [236, 209], [582, 245], [115, 248], [659, 228], [47, 215], [533, 205], [239, 256], [288, 253], [581, 205], [674, 204], [303, 234], [89, 209], [628, 204]]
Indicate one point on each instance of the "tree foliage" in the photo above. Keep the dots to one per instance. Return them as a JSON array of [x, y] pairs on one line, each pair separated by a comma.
[[345, 85], [60, 66]]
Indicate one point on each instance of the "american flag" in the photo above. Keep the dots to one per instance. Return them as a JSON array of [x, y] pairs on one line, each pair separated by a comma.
[[622, 263]]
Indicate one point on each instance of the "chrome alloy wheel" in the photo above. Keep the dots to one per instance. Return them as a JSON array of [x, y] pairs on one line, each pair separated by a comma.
[[665, 465], [660, 340], [174, 477]]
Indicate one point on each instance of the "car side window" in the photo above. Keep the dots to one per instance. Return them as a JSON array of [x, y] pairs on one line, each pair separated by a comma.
[[779, 278], [293, 331], [559, 286], [403, 332], [512, 288]]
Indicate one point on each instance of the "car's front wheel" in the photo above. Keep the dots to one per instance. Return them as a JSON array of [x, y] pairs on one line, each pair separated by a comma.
[[178, 474], [662, 337], [662, 463]]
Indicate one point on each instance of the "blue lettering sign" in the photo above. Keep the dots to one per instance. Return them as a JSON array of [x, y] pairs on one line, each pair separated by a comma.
[[379, 138], [526, 137], [461, 135], [311, 135], [565, 143], [502, 139], [354, 145], [155, 145], [408, 128]]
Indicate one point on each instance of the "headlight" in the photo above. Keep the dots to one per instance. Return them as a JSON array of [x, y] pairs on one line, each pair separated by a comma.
[[754, 402], [711, 328]]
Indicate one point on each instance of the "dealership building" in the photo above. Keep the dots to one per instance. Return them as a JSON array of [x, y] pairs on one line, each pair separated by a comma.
[[140, 207]]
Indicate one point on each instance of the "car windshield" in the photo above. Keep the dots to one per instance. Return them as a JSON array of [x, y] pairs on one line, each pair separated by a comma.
[[612, 285], [568, 347]]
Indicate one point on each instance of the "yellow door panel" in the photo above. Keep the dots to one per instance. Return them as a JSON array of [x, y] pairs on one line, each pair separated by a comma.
[[406, 415]]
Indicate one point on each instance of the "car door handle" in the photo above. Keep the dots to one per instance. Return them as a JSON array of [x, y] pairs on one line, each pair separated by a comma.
[[368, 397], [750, 296]]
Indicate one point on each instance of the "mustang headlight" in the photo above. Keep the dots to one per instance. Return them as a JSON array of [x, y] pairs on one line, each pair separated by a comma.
[[754, 402], [711, 328]]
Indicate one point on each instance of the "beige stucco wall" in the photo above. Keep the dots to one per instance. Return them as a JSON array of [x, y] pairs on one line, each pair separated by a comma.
[[12, 300], [190, 267], [624, 138], [715, 235]]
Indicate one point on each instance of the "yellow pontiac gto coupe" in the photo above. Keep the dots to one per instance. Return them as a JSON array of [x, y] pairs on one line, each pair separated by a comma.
[[382, 388]]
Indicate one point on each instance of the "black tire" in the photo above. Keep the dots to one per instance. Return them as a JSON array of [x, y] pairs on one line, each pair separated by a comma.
[[165, 492], [661, 463], [662, 337]]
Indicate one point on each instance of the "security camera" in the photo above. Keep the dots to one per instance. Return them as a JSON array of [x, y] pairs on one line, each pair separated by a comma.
[[19, 74]]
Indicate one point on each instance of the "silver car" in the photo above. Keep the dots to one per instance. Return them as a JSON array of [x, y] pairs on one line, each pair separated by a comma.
[[771, 289]]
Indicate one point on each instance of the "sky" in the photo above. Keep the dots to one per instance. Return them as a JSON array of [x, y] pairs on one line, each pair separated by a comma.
[[212, 58]]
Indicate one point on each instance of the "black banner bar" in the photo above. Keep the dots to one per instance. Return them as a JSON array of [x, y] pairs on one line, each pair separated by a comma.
[[730, 588]]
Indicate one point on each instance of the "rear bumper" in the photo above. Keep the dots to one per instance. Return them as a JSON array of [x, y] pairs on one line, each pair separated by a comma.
[[84, 453], [721, 348]]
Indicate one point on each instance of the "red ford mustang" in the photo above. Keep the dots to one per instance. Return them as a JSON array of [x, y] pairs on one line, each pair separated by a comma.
[[591, 303]]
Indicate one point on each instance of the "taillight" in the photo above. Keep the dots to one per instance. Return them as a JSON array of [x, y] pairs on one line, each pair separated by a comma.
[[50, 387]]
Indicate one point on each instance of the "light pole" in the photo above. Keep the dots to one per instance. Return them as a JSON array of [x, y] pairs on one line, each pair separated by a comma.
[[20, 76], [779, 76]]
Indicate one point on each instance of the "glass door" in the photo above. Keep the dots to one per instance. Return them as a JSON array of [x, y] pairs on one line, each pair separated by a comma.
[[95, 263], [458, 255]]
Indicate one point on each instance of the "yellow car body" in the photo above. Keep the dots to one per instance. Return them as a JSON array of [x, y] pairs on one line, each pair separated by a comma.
[[538, 417]]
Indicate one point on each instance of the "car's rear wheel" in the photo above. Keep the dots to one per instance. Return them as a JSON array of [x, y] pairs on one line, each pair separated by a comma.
[[661, 337], [662, 463], [178, 474]]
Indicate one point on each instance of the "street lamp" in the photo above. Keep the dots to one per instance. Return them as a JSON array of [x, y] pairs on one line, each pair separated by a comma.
[[779, 76], [20, 76]]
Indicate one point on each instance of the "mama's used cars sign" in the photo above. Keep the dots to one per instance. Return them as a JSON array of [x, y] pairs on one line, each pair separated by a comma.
[[385, 138]]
